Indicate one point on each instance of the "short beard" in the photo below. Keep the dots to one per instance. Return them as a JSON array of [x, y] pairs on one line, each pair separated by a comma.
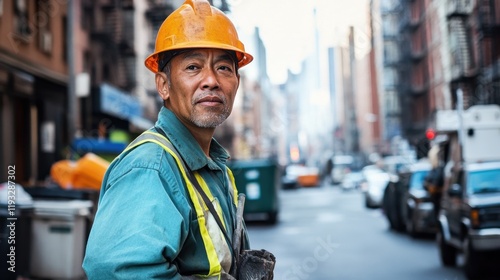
[[210, 119]]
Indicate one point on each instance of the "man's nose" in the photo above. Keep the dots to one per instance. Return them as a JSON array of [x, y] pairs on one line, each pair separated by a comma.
[[210, 79]]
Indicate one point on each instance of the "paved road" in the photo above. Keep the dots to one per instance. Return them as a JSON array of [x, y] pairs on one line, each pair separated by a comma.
[[324, 233]]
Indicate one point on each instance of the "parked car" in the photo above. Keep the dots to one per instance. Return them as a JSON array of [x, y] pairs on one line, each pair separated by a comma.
[[352, 180], [302, 175], [309, 177], [342, 164], [396, 164], [289, 178], [392, 200], [418, 210], [373, 187], [469, 219]]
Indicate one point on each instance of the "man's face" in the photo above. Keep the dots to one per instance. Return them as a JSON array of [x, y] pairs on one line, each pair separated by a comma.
[[203, 84]]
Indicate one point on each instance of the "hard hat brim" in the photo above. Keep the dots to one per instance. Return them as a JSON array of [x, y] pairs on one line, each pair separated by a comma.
[[244, 58]]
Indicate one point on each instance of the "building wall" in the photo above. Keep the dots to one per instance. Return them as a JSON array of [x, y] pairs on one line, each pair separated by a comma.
[[453, 45], [336, 96], [367, 119], [388, 73], [144, 45], [33, 87], [438, 87], [38, 38], [414, 68]]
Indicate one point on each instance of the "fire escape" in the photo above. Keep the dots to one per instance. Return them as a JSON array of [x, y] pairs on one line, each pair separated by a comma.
[[463, 66], [390, 15], [488, 14], [113, 36], [413, 84]]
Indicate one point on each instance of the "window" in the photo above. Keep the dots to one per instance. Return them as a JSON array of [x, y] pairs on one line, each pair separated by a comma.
[[484, 181], [389, 77], [21, 24], [43, 19], [391, 52], [392, 103], [417, 180]]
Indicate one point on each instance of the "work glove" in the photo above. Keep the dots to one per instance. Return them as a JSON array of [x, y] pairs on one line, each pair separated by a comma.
[[256, 265]]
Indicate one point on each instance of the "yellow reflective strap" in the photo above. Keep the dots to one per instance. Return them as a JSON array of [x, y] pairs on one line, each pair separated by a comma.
[[205, 188], [148, 136], [233, 183]]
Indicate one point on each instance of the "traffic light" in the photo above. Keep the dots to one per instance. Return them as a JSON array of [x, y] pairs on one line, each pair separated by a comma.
[[430, 134]]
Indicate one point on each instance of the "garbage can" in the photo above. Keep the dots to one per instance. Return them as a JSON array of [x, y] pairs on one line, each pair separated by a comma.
[[15, 239], [59, 234], [259, 180]]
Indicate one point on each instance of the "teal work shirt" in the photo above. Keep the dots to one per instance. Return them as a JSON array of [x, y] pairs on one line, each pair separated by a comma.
[[145, 226]]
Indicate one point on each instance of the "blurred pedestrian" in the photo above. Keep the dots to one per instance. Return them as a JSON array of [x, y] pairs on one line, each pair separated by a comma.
[[153, 219]]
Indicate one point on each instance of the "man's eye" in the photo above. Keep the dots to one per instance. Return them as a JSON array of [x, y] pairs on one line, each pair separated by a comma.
[[191, 67], [225, 68]]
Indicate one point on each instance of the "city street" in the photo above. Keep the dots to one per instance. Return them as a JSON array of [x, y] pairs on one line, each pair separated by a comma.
[[137, 108], [324, 233]]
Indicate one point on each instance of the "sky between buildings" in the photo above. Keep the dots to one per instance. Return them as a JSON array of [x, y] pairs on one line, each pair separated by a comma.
[[287, 28]]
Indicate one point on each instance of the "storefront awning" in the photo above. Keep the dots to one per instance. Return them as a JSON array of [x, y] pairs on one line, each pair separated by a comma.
[[118, 103], [139, 123], [97, 146]]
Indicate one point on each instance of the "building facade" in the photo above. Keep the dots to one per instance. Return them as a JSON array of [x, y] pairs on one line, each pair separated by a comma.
[[387, 25], [72, 72], [33, 87], [445, 46]]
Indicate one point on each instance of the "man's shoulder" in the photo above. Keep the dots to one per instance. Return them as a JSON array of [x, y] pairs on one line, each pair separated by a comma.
[[145, 156], [148, 165]]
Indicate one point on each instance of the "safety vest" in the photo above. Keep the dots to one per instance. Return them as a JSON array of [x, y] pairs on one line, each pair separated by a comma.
[[218, 251]]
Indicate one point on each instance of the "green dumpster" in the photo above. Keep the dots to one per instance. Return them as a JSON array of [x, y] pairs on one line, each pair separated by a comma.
[[258, 179]]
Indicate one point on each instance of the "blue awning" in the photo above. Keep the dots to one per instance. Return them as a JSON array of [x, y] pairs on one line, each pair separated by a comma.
[[141, 123], [97, 146], [118, 103]]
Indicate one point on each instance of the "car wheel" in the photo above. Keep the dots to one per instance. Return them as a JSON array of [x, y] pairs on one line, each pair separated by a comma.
[[447, 253], [390, 219], [472, 260], [398, 223], [410, 224], [388, 208], [272, 217]]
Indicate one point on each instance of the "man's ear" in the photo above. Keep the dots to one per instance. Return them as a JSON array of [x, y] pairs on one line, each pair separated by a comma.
[[162, 85], [238, 75]]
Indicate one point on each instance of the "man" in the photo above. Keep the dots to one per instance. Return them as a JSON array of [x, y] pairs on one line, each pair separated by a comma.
[[152, 221]]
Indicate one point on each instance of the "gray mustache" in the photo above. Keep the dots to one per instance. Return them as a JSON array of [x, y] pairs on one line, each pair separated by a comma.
[[209, 93]]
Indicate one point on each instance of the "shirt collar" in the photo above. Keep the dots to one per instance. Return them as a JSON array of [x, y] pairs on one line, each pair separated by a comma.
[[186, 145]]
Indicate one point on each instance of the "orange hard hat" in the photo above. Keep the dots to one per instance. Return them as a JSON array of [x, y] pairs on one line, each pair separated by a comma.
[[196, 24]]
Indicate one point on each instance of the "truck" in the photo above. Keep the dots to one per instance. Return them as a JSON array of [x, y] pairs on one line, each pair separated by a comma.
[[469, 207]]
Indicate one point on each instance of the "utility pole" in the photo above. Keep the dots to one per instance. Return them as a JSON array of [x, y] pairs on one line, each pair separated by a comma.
[[461, 129]]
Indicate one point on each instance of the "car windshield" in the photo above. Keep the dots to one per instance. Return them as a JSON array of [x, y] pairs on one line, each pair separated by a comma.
[[484, 181], [417, 180]]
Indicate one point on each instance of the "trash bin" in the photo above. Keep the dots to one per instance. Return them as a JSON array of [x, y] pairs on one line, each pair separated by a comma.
[[58, 193], [59, 234], [15, 251], [259, 180]]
